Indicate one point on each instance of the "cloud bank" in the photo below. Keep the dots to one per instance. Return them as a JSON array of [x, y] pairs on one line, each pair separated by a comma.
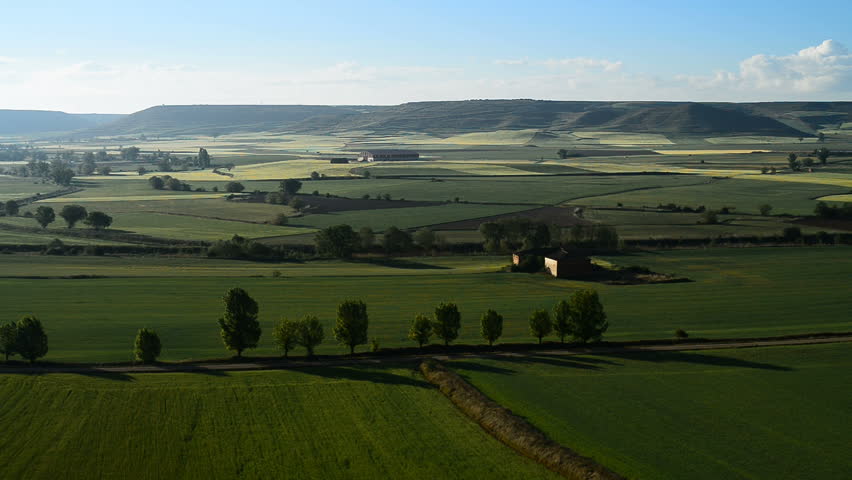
[[821, 72]]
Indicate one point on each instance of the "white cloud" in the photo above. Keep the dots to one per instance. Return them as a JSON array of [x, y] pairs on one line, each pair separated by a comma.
[[822, 72]]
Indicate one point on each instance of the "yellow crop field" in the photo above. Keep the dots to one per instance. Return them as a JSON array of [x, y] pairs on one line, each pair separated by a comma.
[[837, 198], [837, 179], [708, 152]]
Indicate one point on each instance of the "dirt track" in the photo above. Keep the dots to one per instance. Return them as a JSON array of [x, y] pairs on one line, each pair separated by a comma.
[[292, 364]]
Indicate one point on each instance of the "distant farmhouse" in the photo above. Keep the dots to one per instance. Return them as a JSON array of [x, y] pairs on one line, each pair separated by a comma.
[[388, 156], [558, 262]]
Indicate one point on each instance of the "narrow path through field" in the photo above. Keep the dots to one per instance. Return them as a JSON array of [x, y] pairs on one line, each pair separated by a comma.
[[282, 364]]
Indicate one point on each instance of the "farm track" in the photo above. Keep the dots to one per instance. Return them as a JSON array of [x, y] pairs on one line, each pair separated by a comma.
[[342, 361]]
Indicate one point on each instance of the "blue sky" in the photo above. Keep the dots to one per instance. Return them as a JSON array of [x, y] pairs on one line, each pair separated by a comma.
[[124, 56]]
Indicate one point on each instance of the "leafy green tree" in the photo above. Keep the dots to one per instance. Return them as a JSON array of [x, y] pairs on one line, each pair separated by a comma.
[[421, 330], [239, 326], [823, 154], [425, 238], [30, 339], [367, 237], [157, 183], [130, 154], [588, 319], [98, 220], [765, 209], [61, 174], [173, 184], [491, 326], [88, 166], [8, 339], [563, 154], [396, 240], [203, 158], [311, 333], [821, 137], [447, 322], [793, 163], [296, 203], [104, 170], [352, 322], [147, 346], [44, 216], [709, 217], [290, 187], [234, 187], [73, 214], [540, 324], [281, 219], [315, 176], [562, 320], [338, 241], [285, 334], [11, 208]]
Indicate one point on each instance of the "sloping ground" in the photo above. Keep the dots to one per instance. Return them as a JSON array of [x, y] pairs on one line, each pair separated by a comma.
[[449, 118], [13, 122], [560, 216], [318, 423], [763, 413]]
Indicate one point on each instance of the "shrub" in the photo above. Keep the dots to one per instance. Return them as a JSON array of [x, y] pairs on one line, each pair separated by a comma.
[[374, 345], [792, 234], [681, 334], [234, 187], [147, 347], [765, 209], [280, 220]]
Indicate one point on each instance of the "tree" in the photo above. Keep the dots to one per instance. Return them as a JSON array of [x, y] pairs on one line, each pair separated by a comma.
[[281, 219], [290, 187], [710, 217], [396, 240], [141, 170], [60, 174], [315, 176], [540, 324], [425, 238], [234, 187], [44, 216], [11, 208], [98, 220], [352, 322], [203, 158], [147, 347], [104, 170], [338, 241], [88, 166], [285, 334], [588, 320], [793, 162], [311, 333], [296, 204], [447, 322], [820, 137], [808, 162], [130, 154], [173, 183], [765, 209], [8, 338], [421, 330], [367, 237], [73, 214], [562, 320], [563, 154], [239, 326], [491, 326], [823, 154], [157, 183], [30, 339]]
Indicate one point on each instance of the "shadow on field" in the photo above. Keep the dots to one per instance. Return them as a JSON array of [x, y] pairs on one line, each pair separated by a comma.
[[696, 358], [572, 361], [361, 374], [399, 263], [86, 372]]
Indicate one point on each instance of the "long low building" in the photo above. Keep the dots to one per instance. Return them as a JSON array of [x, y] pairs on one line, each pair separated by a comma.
[[388, 155]]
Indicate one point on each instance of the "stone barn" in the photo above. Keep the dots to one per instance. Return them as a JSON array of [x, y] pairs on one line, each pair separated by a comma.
[[573, 264]]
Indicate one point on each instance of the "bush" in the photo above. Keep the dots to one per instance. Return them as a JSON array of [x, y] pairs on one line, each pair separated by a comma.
[[147, 347], [681, 334], [234, 187], [280, 220], [374, 345], [792, 234]]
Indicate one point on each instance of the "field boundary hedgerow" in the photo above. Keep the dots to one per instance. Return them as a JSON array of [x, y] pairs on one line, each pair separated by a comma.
[[513, 431]]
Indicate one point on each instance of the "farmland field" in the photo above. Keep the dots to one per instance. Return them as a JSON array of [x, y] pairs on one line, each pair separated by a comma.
[[734, 293], [778, 412], [316, 423]]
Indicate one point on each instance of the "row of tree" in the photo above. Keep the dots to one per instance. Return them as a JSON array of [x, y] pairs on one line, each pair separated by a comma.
[[25, 338], [72, 214], [341, 241], [581, 318]]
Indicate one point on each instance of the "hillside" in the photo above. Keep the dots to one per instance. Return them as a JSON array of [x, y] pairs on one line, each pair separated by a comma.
[[790, 119], [16, 122]]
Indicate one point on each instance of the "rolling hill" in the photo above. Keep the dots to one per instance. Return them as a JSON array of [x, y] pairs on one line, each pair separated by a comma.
[[16, 122], [790, 119]]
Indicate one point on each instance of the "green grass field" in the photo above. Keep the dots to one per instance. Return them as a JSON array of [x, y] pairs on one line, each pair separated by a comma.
[[734, 293], [764, 413], [315, 423]]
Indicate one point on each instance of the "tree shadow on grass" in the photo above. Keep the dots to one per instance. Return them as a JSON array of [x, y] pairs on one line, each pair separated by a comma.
[[399, 263], [695, 358], [566, 361], [371, 374], [86, 372]]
